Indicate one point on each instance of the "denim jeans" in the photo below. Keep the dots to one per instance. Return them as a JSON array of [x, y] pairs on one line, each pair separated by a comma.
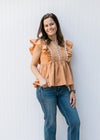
[[51, 97]]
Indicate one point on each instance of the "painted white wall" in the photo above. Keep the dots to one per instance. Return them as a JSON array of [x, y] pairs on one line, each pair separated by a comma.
[[21, 117]]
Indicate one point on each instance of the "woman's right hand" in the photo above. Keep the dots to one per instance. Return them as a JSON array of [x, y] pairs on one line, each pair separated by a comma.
[[44, 83]]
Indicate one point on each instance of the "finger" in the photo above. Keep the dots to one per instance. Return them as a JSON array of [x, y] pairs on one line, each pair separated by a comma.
[[70, 99], [48, 84], [74, 102], [45, 85], [73, 106]]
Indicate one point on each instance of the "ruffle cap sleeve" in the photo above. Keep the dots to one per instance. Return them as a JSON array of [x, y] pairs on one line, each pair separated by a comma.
[[35, 42], [69, 45]]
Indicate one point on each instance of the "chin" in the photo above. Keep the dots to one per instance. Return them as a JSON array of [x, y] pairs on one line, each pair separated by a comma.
[[51, 34]]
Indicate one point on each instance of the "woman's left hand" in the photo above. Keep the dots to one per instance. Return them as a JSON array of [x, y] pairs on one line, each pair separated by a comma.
[[72, 99]]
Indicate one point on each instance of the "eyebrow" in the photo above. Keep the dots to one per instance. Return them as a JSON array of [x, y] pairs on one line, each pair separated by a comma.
[[49, 23]]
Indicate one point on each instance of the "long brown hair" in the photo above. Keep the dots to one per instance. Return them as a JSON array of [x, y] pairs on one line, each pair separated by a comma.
[[44, 35]]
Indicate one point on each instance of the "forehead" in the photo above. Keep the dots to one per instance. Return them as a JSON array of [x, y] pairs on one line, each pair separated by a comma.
[[48, 20]]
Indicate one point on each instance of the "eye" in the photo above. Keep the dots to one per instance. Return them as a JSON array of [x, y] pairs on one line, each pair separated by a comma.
[[46, 25], [52, 24]]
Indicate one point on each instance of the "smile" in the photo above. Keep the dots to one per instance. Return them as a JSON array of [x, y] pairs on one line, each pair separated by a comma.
[[51, 31]]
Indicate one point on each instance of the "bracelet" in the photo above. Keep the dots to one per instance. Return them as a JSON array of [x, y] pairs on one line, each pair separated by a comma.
[[73, 90]]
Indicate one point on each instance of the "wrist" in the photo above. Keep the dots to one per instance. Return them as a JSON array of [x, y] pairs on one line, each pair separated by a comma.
[[73, 91], [40, 78]]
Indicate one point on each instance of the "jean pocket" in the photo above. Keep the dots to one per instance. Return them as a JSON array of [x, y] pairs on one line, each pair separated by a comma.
[[38, 92]]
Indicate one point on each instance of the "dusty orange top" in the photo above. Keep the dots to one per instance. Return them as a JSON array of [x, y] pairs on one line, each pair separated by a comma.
[[54, 62]]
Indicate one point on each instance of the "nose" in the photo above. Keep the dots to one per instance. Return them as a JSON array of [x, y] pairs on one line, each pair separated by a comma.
[[49, 27]]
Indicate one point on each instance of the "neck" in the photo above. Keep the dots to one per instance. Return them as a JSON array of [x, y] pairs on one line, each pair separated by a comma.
[[54, 39]]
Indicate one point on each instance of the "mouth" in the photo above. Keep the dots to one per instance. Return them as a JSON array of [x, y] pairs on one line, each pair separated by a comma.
[[50, 31]]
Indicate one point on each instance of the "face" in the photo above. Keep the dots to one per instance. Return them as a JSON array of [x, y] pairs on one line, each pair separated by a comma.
[[50, 26]]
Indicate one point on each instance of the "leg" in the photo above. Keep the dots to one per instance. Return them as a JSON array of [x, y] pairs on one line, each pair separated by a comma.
[[70, 114], [47, 101]]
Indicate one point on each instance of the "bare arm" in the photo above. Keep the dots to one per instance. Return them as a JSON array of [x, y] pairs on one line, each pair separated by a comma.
[[71, 86], [34, 63], [72, 95]]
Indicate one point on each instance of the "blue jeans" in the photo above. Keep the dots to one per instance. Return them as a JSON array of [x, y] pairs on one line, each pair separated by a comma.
[[49, 98]]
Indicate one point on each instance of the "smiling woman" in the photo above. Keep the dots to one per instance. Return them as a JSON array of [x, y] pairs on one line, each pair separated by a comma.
[[54, 83], [50, 27]]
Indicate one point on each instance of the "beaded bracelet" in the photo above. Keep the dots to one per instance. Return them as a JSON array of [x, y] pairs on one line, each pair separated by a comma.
[[73, 90]]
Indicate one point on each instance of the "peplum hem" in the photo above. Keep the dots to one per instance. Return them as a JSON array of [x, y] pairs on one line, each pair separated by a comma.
[[60, 70]]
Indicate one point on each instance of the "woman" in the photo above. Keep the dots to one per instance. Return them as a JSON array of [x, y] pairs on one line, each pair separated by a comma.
[[54, 81]]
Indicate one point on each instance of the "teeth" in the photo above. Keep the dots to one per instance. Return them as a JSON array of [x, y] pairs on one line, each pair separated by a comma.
[[51, 31]]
